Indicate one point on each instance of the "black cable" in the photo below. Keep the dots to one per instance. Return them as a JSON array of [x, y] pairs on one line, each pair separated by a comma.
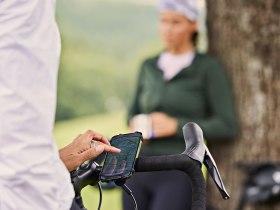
[[100, 195], [129, 192]]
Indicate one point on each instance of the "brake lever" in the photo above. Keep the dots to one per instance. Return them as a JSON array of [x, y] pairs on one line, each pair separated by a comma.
[[212, 169], [197, 150]]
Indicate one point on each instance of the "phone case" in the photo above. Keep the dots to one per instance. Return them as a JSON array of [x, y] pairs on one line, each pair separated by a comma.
[[112, 161]]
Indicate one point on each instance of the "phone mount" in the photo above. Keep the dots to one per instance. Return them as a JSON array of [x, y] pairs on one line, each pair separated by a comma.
[[197, 150]]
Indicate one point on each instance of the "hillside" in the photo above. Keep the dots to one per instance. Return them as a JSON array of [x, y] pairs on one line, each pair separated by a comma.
[[103, 45]]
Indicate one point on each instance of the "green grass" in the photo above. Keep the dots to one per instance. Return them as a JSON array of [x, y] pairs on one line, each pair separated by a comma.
[[108, 124]]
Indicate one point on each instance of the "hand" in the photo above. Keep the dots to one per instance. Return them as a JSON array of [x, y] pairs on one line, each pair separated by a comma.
[[77, 152], [163, 125]]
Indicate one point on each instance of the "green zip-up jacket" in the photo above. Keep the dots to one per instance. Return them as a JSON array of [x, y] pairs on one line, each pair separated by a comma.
[[199, 93]]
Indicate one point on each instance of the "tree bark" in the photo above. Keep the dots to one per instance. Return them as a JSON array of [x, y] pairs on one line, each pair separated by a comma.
[[245, 35]]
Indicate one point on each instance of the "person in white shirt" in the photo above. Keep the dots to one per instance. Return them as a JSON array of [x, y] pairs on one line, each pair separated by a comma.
[[32, 175]]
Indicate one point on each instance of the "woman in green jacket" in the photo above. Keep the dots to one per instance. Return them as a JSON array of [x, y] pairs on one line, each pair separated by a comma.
[[175, 87]]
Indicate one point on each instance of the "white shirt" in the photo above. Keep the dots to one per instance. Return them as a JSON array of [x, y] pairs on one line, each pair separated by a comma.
[[32, 176], [172, 64]]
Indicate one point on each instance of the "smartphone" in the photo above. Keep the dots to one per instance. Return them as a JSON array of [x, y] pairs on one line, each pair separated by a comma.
[[121, 166]]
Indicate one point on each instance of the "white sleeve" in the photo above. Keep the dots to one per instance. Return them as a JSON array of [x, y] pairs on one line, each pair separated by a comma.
[[32, 176]]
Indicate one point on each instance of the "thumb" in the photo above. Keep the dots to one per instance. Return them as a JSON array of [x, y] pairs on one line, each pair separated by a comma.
[[92, 152]]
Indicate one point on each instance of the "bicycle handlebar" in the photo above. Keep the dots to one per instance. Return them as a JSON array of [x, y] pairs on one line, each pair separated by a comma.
[[190, 161], [178, 162], [197, 150]]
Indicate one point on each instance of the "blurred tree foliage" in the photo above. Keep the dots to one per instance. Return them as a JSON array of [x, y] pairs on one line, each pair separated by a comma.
[[103, 43]]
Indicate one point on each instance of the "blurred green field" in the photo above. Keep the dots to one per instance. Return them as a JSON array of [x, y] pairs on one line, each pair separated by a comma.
[[108, 124], [103, 44]]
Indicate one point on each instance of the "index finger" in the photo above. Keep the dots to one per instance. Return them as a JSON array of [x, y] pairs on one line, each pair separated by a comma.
[[111, 149]]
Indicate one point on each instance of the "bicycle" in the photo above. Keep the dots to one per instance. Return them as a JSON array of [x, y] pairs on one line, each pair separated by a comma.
[[190, 161]]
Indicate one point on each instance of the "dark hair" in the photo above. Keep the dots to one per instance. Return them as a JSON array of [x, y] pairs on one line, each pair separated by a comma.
[[195, 38]]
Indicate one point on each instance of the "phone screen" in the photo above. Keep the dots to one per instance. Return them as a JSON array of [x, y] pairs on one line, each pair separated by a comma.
[[121, 166]]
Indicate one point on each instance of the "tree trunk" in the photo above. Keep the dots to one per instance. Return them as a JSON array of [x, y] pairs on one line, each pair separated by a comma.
[[245, 35]]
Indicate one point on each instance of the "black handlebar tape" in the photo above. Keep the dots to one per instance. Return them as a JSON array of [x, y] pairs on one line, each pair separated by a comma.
[[178, 162]]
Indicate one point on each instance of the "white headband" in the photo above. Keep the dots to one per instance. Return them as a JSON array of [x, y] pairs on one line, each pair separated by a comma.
[[187, 8]]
